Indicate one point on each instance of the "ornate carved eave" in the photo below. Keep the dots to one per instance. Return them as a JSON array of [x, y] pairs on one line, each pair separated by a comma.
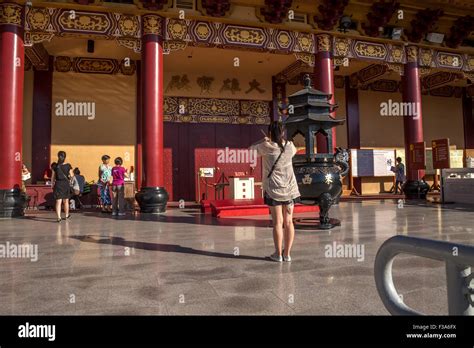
[[38, 56], [215, 8], [212, 110], [42, 24], [424, 22], [275, 11], [330, 13], [87, 65], [460, 30], [153, 5], [380, 14], [439, 79], [367, 75]]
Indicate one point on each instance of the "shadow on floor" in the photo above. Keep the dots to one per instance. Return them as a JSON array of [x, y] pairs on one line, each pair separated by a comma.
[[174, 248], [195, 219]]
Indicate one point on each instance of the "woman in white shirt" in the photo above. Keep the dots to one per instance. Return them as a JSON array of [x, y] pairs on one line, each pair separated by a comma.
[[280, 187]]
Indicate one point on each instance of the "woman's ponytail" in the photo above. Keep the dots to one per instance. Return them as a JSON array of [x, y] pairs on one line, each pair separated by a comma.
[[276, 131]]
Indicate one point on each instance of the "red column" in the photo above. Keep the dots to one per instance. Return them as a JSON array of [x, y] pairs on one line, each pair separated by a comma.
[[12, 59], [152, 197], [324, 72], [139, 154], [353, 123], [413, 124]]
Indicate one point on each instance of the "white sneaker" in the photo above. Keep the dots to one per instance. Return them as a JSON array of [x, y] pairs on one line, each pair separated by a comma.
[[275, 257], [287, 258], [121, 214], [114, 213]]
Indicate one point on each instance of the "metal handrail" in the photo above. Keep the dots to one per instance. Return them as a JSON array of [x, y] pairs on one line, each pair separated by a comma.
[[458, 258]]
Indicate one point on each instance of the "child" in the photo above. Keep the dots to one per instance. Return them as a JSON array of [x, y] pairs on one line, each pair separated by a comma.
[[104, 181], [119, 173]]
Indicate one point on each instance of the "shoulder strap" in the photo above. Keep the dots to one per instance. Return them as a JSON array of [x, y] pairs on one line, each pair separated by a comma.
[[274, 164], [61, 169]]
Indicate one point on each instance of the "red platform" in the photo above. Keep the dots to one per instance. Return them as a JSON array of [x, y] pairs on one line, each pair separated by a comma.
[[245, 207]]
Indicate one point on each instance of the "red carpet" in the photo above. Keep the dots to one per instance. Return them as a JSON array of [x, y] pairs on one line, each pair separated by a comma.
[[245, 207]]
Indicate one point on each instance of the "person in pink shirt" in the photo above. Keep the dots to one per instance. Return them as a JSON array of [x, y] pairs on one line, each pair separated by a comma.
[[119, 174]]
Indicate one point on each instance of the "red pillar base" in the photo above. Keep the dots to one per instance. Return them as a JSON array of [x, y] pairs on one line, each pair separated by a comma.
[[152, 200], [12, 203]]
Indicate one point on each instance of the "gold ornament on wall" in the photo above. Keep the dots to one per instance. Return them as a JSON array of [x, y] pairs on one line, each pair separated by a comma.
[[152, 25], [412, 54], [63, 64], [450, 60], [10, 14], [284, 39], [177, 29], [426, 56], [84, 21], [398, 68], [323, 43], [470, 62], [370, 50], [341, 47], [397, 53], [306, 58], [244, 35], [305, 42], [129, 25], [38, 18], [133, 44]]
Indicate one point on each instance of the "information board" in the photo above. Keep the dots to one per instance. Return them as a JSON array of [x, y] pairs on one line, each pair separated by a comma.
[[418, 155], [456, 158], [429, 163], [366, 163], [441, 153]]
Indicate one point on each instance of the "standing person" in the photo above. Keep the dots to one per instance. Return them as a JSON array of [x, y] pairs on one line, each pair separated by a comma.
[[119, 174], [60, 180], [80, 182], [48, 182], [105, 175], [25, 175], [48, 172], [280, 187], [399, 171]]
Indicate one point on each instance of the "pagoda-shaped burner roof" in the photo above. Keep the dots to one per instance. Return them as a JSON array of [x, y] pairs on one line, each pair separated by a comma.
[[308, 90], [311, 107], [324, 120]]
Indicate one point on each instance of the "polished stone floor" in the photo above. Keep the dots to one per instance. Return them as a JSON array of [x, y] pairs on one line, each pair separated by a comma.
[[185, 263]]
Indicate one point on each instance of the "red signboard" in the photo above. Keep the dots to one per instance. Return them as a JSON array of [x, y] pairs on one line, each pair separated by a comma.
[[441, 157], [418, 156]]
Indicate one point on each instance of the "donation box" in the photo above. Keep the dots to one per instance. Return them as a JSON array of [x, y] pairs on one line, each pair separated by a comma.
[[241, 187]]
